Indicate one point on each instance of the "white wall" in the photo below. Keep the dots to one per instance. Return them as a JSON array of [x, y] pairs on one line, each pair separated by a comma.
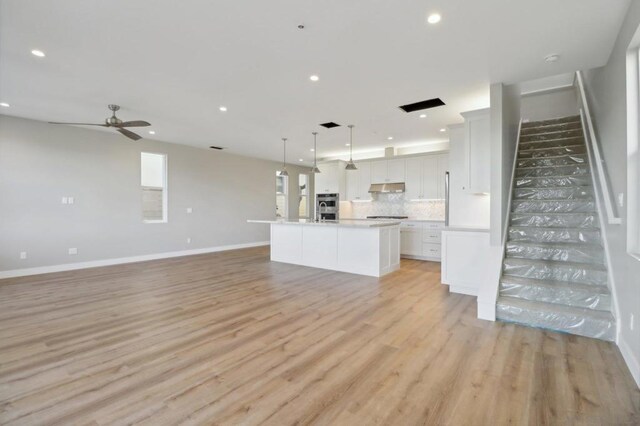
[[41, 163], [606, 92], [553, 103]]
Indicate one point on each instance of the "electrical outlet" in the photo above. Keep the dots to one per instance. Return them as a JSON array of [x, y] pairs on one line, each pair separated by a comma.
[[65, 200], [23, 255], [621, 199], [188, 240], [189, 210], [70, 199], [631, 322], [73, 250]]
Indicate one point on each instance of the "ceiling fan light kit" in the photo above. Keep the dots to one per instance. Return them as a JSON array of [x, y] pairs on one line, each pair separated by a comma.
[[114, 121]]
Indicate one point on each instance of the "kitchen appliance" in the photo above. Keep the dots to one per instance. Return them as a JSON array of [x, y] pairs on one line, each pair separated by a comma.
[[327, 207], [386, 188], [387, 217]]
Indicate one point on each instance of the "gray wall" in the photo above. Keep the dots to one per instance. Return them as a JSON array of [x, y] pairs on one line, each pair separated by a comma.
[[606, 92], [549, 104], [40, 163]]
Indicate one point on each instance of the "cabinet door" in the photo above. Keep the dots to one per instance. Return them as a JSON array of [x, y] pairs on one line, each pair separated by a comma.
[[326, 181], [364, 181], [443, 167], [352, 177], [410, 242], [413, 180], [430, 178], [379, 171], [478, 142], [395, 171]]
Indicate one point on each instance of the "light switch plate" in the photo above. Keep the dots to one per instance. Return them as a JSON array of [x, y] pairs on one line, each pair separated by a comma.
[[23, 255], [73, 250], [188, 240], [70, 199], [65, 200], [189, 210]]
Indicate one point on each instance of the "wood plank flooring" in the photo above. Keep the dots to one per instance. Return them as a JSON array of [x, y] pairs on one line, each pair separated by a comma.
[[234, 339]]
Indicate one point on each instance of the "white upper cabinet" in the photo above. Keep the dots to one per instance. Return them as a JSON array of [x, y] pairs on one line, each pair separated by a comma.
[[443, 167], [388, 171], [478, 150], [413, 182], [358, 182], [430, 178], [425, 177], [331, 179]]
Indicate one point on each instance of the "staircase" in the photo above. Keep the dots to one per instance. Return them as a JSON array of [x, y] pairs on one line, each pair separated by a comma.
[[554, 274]]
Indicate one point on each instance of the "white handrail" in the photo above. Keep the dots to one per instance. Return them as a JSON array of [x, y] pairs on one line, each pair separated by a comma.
[[612, 219]]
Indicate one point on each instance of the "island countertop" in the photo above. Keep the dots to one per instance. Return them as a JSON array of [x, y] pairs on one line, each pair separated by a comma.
[[339, 223]]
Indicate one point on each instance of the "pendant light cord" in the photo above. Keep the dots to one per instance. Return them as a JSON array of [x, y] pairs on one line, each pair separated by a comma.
[[315, 134], [284, 155], [351, 142]]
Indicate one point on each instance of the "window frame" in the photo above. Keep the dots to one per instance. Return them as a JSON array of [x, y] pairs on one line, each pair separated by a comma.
[[285, 187], [306, 195], [165, 188]]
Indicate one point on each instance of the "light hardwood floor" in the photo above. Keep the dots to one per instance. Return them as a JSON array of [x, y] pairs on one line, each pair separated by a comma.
[[231, 338]]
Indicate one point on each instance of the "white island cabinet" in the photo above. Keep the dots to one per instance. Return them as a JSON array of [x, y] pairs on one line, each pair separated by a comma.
[[359, 247]]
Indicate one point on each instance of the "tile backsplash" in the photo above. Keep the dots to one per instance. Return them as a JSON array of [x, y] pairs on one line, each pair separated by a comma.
[[393, 205]]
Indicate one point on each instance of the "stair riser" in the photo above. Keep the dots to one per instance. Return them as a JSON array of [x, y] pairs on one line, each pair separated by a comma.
[[562, 120], [568, 181], [546, 206], [572, 254], [569, 193], [576, 297], [533, 235], [555, 272], [566, 160], [579, 325], [551, 135], [578, 220], [553, 143], [553, 152], [576, 125], [579, 170]]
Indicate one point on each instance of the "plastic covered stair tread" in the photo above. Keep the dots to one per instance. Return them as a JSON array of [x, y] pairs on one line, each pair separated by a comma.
[[559, 293], [540, 234], [568, 319], [562, 245], [553, 193], [568, 125], [538, 262], [553, 166], [553, 206], [567, 119], [554, 139], [601, 289], [577, 145]]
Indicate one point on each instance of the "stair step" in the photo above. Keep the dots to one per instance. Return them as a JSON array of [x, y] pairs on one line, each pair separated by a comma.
[[556, 220], [558, 252], [560, 160], [536, 234], [553, 206], [567, 319], [551, 135], [558, 292], [574, 170], [584, 273], [553, 181], [551, 143], [551, 127], [568, 119], [554, 193], [553, 151]]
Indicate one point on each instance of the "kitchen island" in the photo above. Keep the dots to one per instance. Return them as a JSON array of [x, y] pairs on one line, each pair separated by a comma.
[[356, 246]]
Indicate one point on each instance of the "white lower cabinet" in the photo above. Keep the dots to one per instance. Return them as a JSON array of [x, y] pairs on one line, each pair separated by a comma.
[[421, 240]]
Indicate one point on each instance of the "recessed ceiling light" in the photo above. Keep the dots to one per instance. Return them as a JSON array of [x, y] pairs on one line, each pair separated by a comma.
[[434, 18], [312, 150], [300, 159], [552, 58], [38, 53], [347, 144], [390, 138], [223, 108], [152, 132], [443, 130], [423, 115], [4, 104], [314, 78]]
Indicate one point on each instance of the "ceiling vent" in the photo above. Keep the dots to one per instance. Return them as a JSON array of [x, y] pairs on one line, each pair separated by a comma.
[[417, 106], [216, 147], [330, 125]]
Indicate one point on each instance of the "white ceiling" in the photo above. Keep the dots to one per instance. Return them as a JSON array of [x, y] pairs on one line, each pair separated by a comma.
[[173, 63]]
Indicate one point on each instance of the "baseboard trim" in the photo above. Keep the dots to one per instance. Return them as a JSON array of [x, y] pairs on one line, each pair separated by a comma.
[[13, 273], [630, 359], [486, 310]]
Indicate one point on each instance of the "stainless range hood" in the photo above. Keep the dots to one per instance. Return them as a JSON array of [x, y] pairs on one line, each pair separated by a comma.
[[386, 188]]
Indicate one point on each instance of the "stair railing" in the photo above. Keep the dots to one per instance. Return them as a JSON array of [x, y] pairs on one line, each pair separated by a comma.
[[594, 151]]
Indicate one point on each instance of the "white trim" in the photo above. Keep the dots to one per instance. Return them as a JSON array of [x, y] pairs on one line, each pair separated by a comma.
[[612, 219], [630, 359], [117, 261], [633, 149], [548, 90]]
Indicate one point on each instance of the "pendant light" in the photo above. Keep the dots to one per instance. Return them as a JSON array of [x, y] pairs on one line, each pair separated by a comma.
[[315, 168], [284, 172], [351, 165]]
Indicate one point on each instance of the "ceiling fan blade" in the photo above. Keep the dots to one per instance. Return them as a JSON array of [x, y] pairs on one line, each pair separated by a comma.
[[129, 134], [79, 124], [137, 123]]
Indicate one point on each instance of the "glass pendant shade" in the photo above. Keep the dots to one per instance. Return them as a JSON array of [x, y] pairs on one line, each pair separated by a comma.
[[351, 165]]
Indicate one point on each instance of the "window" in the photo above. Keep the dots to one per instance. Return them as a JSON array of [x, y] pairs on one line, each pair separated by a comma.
[[153, 181], [282, 182], [303, 196]]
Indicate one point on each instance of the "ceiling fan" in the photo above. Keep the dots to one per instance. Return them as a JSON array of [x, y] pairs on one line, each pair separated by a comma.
[[114, 121]]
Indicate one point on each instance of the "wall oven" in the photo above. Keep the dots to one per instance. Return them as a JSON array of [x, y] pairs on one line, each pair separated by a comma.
[[327, 207]]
